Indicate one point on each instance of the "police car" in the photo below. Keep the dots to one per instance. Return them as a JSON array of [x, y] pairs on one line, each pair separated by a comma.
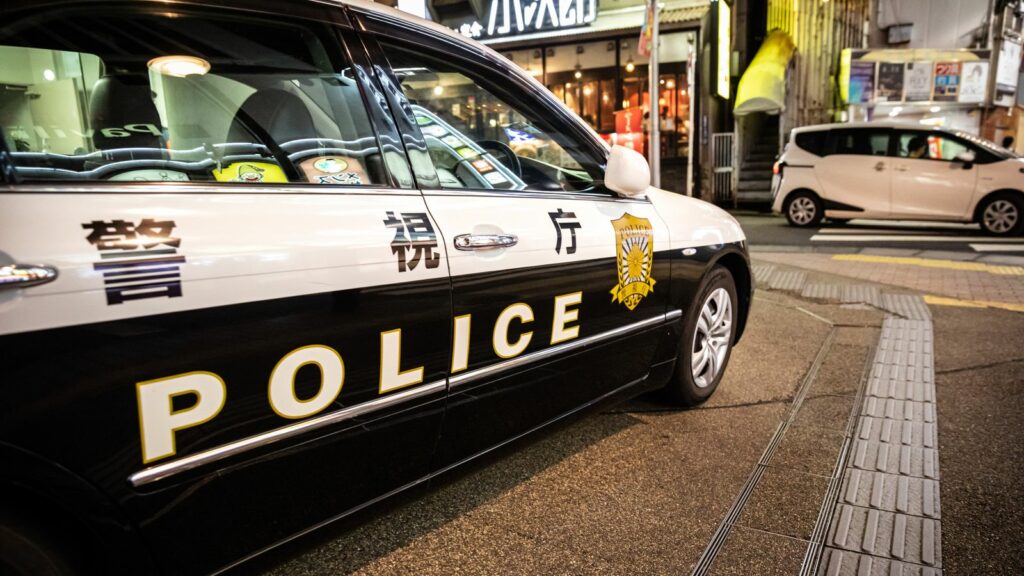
[[262, 265]]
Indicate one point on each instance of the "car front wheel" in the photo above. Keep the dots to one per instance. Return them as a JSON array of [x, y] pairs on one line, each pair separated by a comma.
[[803, 209], [707, 340], [1002, 215]]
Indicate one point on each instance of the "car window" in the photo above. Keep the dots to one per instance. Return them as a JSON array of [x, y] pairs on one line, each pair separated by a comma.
[[860, 141], [142, 97], [478, 140], [929, 146], [813, 142]]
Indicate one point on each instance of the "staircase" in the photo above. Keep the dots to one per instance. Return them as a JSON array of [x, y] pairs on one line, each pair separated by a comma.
[[755, 180]]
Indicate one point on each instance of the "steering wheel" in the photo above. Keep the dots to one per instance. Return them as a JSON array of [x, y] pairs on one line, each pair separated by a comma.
[[505, 155]]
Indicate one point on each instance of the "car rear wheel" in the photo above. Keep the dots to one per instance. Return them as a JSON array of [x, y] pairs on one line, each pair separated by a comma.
[[804, 209], [706, 344], [1002, 215]]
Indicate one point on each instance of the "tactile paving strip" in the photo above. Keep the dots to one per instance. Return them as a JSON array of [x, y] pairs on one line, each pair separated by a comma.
[[887, 522], [910, 306], [787, 280], [840, 563], [822, 291], [762, 272], [861, 294]]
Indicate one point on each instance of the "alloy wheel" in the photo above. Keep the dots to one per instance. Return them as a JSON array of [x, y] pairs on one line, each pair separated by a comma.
[[1000, 216], [802, 210], [712, 338]]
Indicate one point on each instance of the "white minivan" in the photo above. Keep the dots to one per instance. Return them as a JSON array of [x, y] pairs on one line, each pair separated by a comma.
[[898, 172]]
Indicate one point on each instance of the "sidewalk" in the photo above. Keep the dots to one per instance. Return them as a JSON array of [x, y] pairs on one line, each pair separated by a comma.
[[977, 284]]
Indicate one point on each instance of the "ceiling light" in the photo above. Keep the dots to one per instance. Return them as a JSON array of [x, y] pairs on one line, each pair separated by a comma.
[[179, 66], [630, 66]]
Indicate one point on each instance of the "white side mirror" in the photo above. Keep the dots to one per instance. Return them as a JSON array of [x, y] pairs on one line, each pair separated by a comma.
[[628, 173]]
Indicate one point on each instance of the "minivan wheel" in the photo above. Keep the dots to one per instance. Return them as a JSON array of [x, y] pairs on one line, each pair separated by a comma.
[[1002, 215], [706, 345], [804, 209]]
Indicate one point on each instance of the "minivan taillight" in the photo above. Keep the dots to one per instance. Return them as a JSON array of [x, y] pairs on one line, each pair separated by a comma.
[[777, 168]]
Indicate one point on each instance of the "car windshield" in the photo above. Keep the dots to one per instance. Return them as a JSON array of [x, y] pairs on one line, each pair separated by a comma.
[[991, 147]]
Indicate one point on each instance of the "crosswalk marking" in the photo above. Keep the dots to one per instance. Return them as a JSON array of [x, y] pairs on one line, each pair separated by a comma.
[[909, 238], [997, 247]]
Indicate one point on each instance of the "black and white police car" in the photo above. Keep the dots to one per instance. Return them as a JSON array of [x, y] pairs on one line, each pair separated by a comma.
[[264, 263]]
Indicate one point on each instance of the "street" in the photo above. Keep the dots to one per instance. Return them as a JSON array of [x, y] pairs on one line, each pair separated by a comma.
[[869, 422]]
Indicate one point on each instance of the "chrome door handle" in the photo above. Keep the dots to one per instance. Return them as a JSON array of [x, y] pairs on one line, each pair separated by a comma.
[[25, 275], [485, 241], [880, 166]]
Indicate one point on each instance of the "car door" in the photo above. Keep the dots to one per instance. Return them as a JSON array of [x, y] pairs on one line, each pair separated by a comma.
[[855, 171], [234, 311], [556, 294], [928, 180]]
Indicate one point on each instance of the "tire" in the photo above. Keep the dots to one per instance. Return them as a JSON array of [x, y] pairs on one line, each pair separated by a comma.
[[717, 296], [804, 209], [1002, 214], [27, 549]]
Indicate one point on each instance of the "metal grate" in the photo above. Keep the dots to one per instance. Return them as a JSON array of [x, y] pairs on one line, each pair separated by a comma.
[[723, 154]]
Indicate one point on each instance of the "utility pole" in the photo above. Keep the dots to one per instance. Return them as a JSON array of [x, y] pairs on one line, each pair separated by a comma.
[[654, 91]]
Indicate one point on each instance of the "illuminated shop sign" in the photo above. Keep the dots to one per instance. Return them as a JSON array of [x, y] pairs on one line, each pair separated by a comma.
[[511, 17], [722, 17]]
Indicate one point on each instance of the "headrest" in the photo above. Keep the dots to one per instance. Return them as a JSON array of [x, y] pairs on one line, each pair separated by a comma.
[[123, 115], [280, 114]]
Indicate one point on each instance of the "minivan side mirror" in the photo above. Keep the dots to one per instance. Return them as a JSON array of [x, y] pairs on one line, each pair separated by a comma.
[[967, 158], [628, 173]]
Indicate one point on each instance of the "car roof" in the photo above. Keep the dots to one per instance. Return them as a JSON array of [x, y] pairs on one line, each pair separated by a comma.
[[875, 124]]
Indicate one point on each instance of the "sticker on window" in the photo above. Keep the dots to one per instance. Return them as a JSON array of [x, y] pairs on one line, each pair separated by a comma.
[[251, 173], [339, 170]]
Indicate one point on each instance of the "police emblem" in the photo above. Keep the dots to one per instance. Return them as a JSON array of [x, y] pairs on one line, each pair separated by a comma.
[[635, 240]]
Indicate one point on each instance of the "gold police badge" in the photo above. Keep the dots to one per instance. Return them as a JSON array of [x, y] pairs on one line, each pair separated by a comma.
[[635, 240]]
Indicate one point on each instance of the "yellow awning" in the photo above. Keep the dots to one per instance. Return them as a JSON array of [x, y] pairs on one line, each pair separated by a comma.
[[762, 87]]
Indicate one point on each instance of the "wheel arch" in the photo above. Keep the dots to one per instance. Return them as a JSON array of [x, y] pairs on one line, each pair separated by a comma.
[[801, 190], [976, 213], [55, 496], [738, 266]]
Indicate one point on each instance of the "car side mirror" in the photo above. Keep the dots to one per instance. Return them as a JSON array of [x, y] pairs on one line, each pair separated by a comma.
[[966, 158], [628, 173]]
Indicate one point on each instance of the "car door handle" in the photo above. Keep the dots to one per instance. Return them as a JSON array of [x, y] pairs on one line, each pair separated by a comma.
[[25, 275], [880, 166], [485, 241]]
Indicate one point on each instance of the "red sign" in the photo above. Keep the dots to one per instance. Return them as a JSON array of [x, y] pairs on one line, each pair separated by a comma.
[[629, 128]]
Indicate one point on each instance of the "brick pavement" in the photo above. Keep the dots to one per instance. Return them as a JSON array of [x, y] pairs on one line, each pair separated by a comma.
[[992, 285]]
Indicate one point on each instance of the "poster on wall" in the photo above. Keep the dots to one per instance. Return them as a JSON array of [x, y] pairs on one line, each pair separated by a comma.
[[947, 82], [862, 82], [917, 81], [890, 82], [1007, 70], [973, 82]]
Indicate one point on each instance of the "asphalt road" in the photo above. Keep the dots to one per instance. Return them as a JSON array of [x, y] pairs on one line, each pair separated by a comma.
[[772, 232], [641, 488]]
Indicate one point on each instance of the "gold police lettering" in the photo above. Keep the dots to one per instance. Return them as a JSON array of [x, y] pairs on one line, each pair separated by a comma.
[[159, 422]]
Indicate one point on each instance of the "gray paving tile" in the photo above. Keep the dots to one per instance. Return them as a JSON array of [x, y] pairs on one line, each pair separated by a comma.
[[847, 563], [898, 409], [897, 536], [788, 280], [890, 251], [949, 255], [1002, 259], [895, 459], [822, 291], [862, 293], [910, 306], [762, 272], [905, 432], [890, 492]]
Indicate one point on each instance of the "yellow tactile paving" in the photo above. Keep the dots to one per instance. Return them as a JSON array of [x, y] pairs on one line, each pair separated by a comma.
[[933, 263], [946, 301]]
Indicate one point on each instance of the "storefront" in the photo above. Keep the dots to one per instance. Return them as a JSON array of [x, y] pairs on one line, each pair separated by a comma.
[[587, 55], [949, 88]]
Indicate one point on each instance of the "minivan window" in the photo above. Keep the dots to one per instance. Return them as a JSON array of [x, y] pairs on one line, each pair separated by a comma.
[[478, 140], [929, 146], [177, 97], [859, 141], [813, 142]]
